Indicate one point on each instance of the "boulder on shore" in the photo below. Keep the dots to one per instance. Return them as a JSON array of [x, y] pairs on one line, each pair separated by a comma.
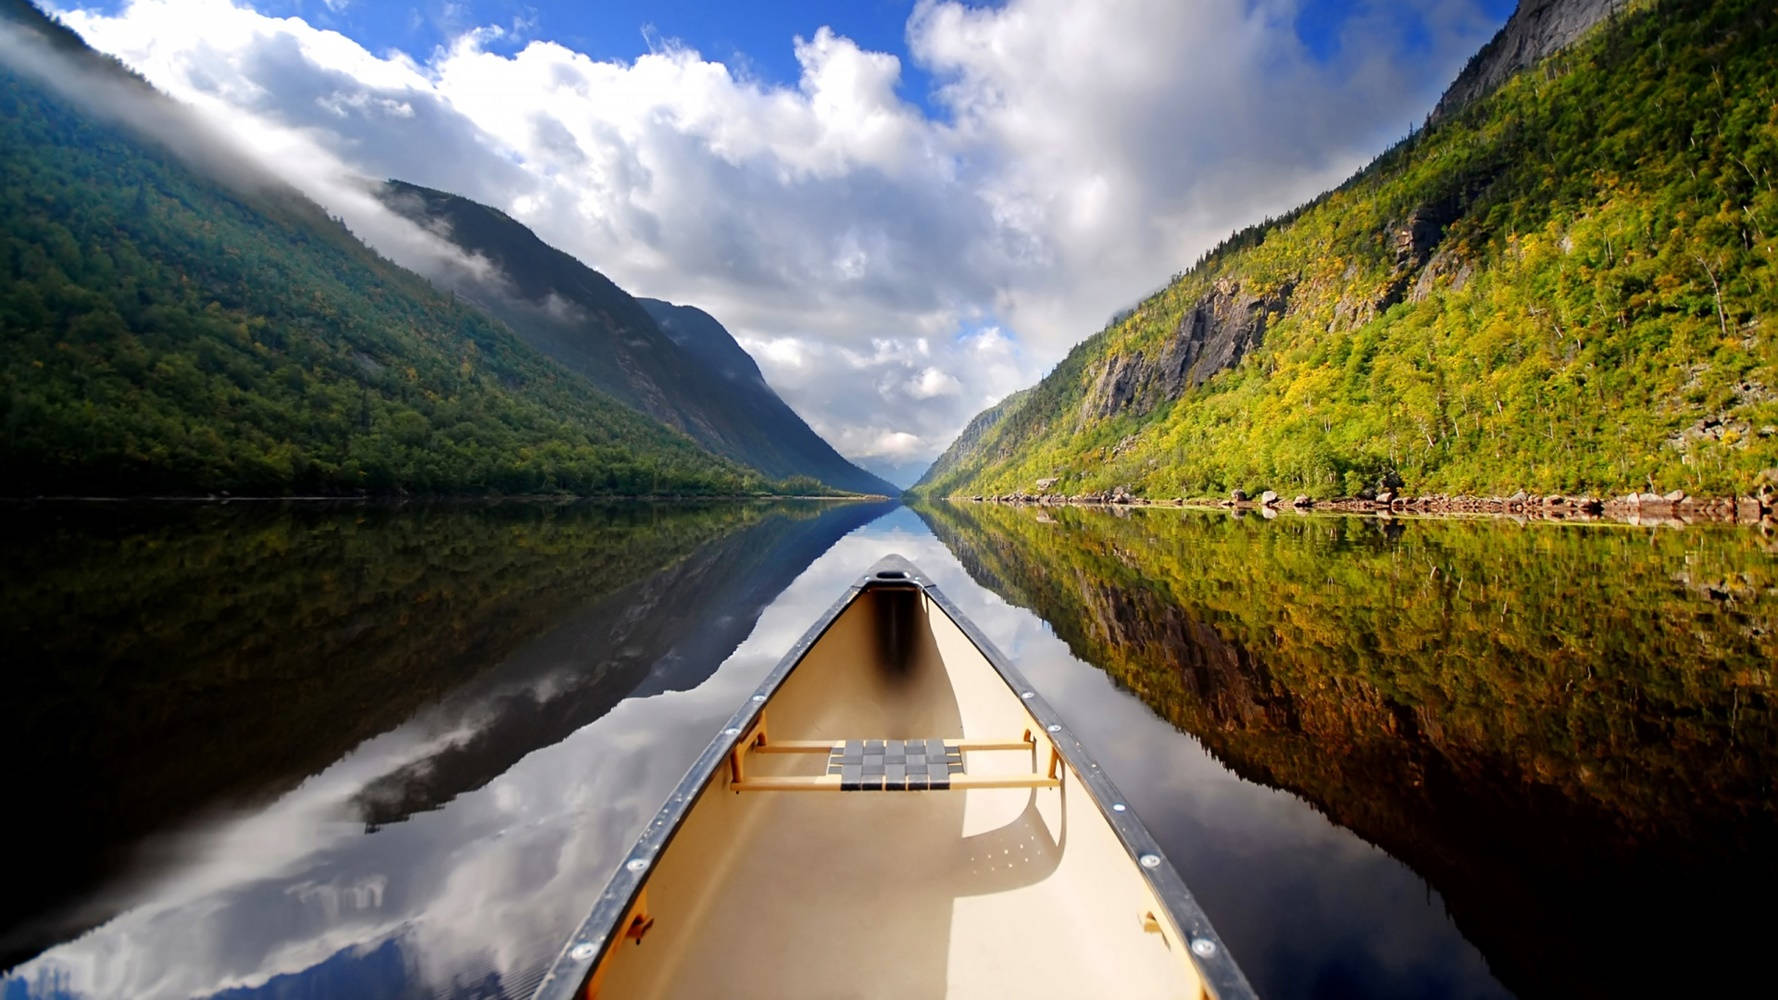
[[1386, 497], [1238, 496], [1301, 501], [1044, 484], [1268, 498]]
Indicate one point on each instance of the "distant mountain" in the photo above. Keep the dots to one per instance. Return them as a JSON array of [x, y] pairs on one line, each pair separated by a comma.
[[674, 363], [174, 321], [1567, 282], [967, 448], [792, 447], [699, 334]]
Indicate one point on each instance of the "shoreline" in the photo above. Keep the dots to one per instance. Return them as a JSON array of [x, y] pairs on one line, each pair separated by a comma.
[[1646, 508], [407, 498]]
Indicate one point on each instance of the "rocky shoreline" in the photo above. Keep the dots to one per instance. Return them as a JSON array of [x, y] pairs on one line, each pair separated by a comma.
[[1635, 508]]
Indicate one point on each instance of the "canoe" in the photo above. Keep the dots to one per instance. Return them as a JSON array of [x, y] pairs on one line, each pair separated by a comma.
[[894, 812]]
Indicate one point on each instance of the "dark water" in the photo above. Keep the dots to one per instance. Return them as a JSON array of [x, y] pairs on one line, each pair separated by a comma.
[[296, 751]]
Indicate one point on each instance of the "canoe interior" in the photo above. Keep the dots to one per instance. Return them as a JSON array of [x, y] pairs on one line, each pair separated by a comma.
[[959, 893]]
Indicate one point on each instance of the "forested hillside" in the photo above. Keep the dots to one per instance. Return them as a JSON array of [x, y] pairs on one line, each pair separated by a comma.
[[165, 331], [583, 320], [1566, 285]]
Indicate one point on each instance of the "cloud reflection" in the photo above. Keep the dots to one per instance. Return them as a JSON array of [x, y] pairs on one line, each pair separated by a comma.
[[484, 890]]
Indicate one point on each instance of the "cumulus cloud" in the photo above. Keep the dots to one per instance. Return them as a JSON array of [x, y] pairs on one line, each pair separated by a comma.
[[893, 265], [932, 383], [893, 403]]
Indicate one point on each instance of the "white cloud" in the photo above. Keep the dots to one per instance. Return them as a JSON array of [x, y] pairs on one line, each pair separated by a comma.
[[897, 444], [893, 402], [779, 352], [932, 383], [893, 271]]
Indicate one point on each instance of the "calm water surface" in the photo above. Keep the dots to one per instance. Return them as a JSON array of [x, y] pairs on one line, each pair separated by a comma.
[[284, 751]]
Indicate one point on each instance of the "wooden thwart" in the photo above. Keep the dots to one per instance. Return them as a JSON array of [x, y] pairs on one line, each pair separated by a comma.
[[940, 778], [831, 783], [829, 746]]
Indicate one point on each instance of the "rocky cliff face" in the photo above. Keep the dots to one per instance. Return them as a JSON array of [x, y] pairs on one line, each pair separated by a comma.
[[1538, 29], [1230, 321], [1214, 335]]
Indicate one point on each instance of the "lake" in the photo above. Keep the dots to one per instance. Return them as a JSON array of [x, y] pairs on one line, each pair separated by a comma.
[[295, 750]]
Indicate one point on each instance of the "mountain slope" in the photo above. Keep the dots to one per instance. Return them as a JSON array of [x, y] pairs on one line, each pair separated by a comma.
[[699, 335], [789, 445], [173, 321], [690, 380], [1537, 30], [970, 450], [1567, 284]]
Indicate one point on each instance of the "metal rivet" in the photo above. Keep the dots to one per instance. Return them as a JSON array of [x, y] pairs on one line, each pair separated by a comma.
[[1118, 807], [759, 697], [1150, 860], [1053, 727], [731, 731], [1028, 694], [1203, 947], [637, 865], [582, 952]]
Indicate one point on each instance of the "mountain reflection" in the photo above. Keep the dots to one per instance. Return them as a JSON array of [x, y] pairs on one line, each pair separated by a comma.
[[1569, 732], [170, 662], [668, 630]]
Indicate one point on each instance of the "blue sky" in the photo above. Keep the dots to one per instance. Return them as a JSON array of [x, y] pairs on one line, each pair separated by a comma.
[[909, 213], [753, 39]]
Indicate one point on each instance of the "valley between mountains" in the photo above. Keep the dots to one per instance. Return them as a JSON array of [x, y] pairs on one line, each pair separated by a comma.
[[1562, 284]]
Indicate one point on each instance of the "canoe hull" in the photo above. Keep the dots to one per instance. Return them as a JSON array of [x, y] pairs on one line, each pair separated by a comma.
[[781, 867]]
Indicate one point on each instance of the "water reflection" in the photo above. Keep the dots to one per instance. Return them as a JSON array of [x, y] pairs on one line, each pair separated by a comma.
[[1568, 731], [170, 662], [1471, 721]]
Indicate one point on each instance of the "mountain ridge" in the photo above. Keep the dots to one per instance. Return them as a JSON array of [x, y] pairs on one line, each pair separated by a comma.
[[582, 319], [1536, 30], [703, 336], [179, 322]]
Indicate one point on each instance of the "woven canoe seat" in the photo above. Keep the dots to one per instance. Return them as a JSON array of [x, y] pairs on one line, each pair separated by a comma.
[[895, 765], [905, 765]]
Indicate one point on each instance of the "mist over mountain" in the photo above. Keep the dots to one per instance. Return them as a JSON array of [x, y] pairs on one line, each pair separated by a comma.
[[176, 321], [674, 363]]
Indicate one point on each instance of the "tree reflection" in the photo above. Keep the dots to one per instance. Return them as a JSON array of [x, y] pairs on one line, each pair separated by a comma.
[[169, 660], [1569, 732]]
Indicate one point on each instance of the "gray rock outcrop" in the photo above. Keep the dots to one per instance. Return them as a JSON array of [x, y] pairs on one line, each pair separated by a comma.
[[1220, 329], [1537, 29]]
